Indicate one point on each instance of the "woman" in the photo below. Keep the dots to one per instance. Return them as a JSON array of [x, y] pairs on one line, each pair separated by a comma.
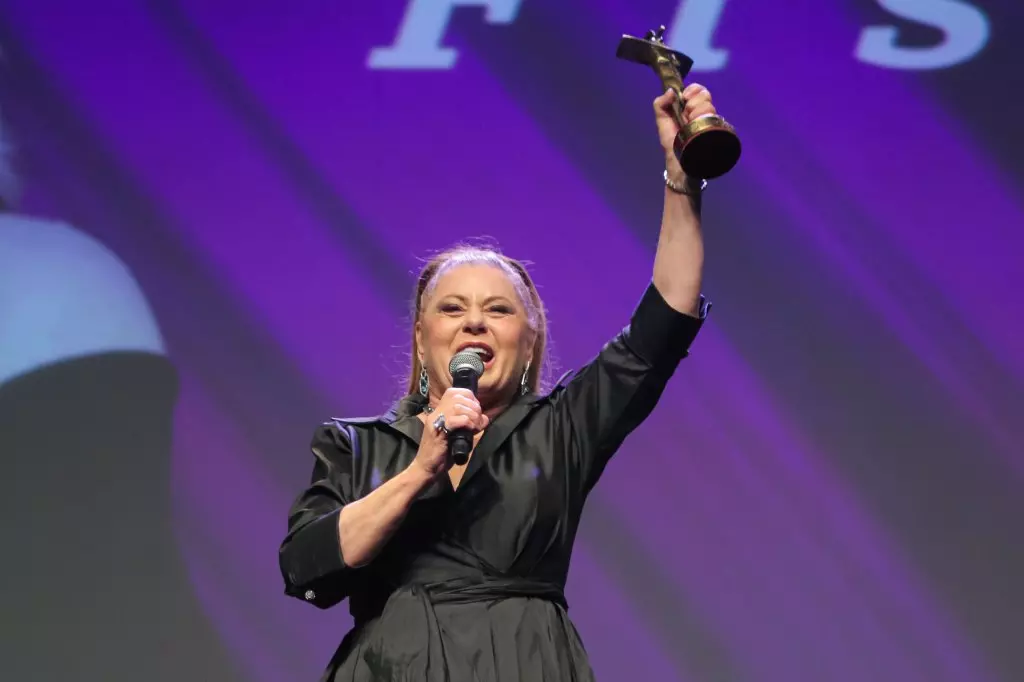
[[456, 572]]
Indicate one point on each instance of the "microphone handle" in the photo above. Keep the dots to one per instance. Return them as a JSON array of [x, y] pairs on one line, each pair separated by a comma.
[[460, 441]]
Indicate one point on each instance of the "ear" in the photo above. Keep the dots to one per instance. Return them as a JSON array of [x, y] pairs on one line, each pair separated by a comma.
[[531, 344], [419, 341]]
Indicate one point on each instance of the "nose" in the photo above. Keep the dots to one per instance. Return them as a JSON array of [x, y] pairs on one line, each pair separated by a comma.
[[474, 321]]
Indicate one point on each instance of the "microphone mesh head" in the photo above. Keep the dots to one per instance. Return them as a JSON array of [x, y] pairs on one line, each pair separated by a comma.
[[466, 359]]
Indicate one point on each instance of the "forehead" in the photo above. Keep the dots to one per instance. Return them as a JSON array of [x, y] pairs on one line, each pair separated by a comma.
[[475, 280]]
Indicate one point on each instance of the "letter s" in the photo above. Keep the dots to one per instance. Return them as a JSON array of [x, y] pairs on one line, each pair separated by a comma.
[[966, 30]]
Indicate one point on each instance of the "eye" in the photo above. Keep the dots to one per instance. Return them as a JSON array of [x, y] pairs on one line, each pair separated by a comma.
[[502, 309], [450, 307]]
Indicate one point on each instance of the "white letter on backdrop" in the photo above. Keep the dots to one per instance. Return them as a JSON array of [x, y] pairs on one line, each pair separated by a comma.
[[966, 30], [692, 31], [418, 45]]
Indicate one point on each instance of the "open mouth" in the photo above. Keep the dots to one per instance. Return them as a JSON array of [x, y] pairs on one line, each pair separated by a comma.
[[485, 352]]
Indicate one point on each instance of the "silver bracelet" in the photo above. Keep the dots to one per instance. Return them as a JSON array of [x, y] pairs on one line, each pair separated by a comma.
[[681, 189]]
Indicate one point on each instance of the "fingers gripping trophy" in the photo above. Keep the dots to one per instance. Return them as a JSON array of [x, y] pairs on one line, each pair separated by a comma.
[[707, 146]]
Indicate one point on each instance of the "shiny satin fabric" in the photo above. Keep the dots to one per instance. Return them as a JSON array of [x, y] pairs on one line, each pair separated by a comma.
[[431, 632], [470, 587]]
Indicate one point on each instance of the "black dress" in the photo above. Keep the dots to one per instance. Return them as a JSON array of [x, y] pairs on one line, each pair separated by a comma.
[[470, 587]]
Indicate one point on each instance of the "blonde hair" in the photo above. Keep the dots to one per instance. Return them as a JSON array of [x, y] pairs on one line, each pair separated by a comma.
[[521, 281]]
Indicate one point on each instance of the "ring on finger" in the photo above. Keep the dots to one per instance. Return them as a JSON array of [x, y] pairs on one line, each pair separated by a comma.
[[439, 425]]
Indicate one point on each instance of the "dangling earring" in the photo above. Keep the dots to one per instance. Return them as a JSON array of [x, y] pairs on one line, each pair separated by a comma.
[[524, 386], [424, 382]]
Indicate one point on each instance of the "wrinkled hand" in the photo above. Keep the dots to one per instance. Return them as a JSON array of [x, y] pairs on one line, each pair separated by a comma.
[[696, 103], [461, 410]]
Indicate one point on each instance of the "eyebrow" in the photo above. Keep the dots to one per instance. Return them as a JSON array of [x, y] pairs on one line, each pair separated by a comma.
[[489, 299]]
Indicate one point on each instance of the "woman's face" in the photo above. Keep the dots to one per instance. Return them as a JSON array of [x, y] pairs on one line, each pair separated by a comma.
[[475, 306]]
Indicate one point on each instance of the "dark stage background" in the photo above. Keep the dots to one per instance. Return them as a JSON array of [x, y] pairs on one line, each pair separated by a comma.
[[212, 191]]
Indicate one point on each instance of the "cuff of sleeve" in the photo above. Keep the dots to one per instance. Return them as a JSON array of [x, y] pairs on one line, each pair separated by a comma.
[[319, 545], [661, 334]]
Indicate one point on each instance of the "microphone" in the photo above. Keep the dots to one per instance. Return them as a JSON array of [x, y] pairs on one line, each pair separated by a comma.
[[465, 368]]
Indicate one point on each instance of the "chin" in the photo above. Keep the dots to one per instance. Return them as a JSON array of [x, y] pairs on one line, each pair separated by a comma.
[[491, 387]]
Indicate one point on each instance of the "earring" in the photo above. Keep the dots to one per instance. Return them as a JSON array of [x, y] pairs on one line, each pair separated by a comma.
[[524, 386], [424, 382]]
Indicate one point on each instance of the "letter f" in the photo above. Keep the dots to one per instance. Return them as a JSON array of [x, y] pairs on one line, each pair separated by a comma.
[[418, 45]]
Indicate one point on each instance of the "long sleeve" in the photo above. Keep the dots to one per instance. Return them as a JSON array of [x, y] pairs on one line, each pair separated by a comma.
[[614, 393], [310, 555]]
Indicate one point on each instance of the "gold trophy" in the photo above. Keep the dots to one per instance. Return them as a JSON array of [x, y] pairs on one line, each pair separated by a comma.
[[706, 147]]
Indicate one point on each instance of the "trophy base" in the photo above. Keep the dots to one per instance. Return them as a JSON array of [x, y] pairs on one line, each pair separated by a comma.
[[707, 147]]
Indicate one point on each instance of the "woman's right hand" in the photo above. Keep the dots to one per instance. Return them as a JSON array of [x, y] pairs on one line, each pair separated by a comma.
[[461, 410]]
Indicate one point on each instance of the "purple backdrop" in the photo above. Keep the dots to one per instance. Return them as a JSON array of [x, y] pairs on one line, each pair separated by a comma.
[[845, 497]]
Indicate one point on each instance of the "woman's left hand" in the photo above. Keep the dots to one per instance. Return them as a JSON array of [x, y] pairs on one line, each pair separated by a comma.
[[697, 103]]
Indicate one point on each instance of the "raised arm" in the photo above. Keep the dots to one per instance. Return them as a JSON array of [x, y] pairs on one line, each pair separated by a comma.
[[679, 261], [613, 394]]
